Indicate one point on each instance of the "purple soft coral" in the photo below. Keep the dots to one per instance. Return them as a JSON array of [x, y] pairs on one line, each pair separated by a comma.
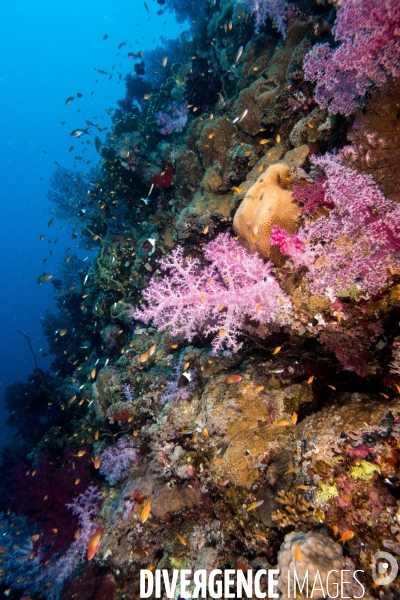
[[261, 9], [85, 507], [369, 54], [172, 390], [116, 459], [174, 120], [217, 297]]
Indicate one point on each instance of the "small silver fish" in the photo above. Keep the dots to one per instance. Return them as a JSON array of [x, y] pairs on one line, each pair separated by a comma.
[[243, 115], [239, 54], [77, 133]]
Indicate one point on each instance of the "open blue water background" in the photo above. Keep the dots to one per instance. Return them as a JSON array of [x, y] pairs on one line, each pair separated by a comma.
[[48, 51]]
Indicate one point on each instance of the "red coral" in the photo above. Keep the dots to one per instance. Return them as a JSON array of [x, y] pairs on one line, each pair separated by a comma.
[[361, 451], [352, 347], [92, 583], [42, 492], [120, 412], [164, 180]]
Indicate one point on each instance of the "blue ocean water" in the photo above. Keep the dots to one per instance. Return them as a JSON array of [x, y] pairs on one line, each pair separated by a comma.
[[49, 51]]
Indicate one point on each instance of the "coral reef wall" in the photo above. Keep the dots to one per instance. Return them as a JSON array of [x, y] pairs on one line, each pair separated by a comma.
[[227, 388]]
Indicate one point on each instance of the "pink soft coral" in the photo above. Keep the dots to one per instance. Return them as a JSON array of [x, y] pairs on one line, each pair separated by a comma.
[[216, 298], [115, 460]]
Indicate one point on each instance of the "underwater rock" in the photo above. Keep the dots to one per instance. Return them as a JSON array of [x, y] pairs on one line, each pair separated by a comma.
[[174, 499], [106, 389], [267, 97], [277, 479], [312, 129], [353, 413], [268, 202], [375, 138], [244, 453]]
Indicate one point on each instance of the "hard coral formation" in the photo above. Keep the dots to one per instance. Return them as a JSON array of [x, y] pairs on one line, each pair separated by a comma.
[[269, 202], [320, 556], [295, 510]]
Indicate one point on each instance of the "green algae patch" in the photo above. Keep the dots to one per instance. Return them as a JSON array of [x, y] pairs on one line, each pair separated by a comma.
[[364, 470], [179, 563]]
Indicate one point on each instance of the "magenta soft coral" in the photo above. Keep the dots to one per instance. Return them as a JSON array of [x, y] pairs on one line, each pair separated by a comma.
[[369, 33], [291, 245], [312, 197], [216, 298], [357, 244]]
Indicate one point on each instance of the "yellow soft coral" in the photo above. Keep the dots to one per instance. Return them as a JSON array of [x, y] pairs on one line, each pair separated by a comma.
[[268, 202]]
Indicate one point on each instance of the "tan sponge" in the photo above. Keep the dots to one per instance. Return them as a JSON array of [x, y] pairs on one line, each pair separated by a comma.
[[268, 202]]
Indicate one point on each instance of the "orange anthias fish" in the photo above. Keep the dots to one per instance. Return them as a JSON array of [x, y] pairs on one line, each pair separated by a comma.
[[347, 535], [145, 512], [298, 557], [282, 423], [94, 543], [181, 539], [233, 379]]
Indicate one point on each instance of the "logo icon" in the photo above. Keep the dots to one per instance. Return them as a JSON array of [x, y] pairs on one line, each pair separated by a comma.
[[384, 568]]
